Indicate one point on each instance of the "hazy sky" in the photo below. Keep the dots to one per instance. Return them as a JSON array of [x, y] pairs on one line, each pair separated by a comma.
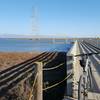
[[70, 17]]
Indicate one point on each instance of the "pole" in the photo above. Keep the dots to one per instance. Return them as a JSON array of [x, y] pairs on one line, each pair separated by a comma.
[[39, 81]]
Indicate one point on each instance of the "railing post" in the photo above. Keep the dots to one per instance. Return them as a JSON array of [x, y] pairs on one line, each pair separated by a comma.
[[39, 81]]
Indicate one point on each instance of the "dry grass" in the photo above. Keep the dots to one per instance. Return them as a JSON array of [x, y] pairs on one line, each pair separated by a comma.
[[9, 59]]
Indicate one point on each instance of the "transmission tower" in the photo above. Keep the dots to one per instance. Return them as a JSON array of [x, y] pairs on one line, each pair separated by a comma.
[[34, 21]]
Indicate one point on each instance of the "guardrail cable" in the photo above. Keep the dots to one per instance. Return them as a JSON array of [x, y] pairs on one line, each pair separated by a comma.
[[30, 96], [52, 86], [69, 97], [54, 67]]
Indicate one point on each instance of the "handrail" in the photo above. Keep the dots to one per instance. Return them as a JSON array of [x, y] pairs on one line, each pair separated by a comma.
[[46, 69], [54, 85], [33, 86], [87, 54]]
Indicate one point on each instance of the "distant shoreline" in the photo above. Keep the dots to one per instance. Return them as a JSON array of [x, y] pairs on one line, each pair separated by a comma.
[[34, 38]]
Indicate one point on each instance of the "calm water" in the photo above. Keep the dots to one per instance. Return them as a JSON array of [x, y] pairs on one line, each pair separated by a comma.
[[19, 45]]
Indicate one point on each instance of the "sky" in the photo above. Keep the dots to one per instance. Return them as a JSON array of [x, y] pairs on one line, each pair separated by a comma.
[[71, 18]]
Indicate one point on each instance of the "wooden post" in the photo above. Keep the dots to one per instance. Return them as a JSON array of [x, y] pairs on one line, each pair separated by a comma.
[[39, 81]]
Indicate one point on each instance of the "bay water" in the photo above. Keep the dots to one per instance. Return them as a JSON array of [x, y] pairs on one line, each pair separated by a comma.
[[29, 45]]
